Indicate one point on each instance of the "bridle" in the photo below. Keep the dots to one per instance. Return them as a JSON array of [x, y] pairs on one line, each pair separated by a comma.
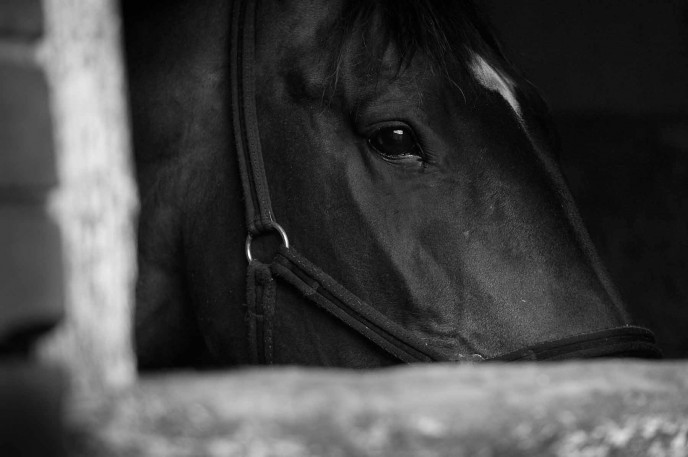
[[316, 286]]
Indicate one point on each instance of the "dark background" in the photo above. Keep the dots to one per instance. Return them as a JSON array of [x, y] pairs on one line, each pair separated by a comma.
[[615, 74]]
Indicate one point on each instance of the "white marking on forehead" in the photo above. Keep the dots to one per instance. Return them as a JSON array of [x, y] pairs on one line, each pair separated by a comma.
[[491, 79]]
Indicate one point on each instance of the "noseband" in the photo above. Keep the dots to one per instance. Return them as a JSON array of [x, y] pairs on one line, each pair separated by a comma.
[[319, 288]]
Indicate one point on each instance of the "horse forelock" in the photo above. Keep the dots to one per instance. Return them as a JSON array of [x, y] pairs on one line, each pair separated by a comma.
[[447, 35]]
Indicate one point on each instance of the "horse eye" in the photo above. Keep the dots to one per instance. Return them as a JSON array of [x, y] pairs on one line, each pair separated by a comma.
[[394, 142]]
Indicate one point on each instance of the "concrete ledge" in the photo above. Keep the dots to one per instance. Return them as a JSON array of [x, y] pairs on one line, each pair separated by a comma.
[[566, 409]]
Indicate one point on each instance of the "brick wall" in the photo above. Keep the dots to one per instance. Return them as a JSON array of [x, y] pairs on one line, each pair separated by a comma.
[[29, 241], [31, 298]]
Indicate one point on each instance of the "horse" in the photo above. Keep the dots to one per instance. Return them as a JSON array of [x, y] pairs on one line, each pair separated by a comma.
[[390, 176]]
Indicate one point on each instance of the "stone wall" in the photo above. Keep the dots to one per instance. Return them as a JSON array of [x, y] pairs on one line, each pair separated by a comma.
[[95, 202], [558, 409]]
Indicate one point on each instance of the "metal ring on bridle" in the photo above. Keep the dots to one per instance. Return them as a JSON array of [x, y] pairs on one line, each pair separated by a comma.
[[276, 227]]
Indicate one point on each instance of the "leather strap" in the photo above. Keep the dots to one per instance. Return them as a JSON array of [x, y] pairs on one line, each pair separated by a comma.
[[260, 301], [259, 215], [331, 296], [627, 341]]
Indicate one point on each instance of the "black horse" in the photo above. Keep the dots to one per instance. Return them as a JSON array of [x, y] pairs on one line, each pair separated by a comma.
[[410, 169]]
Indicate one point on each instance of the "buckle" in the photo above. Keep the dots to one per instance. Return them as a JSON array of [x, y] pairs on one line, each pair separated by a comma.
[[274, 226]]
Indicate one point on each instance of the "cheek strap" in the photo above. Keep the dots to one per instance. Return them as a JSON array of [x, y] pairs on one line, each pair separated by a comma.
[[328, 294]]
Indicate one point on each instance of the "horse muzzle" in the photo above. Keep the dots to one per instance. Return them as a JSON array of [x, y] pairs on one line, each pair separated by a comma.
[[618, 342]]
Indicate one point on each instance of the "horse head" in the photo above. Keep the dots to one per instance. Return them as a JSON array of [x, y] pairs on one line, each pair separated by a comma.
[[414, 172]]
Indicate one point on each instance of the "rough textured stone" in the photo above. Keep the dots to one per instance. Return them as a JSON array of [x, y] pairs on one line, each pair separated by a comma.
[[26, 153], [30, 273], [21, 18], [96, 201], [558, 409]]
